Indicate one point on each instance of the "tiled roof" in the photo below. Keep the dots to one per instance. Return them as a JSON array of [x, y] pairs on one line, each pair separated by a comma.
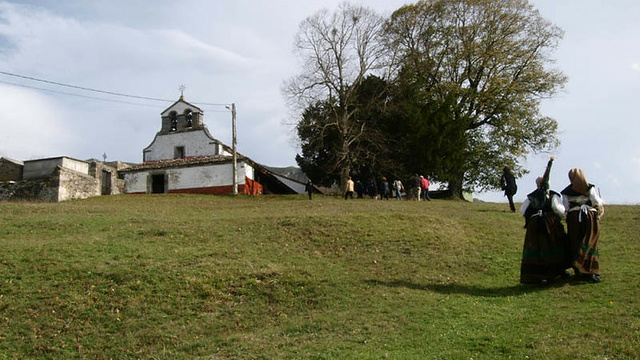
[[183, 162]]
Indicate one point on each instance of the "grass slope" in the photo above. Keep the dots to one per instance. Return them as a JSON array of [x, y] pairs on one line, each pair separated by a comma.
[[216, 277]]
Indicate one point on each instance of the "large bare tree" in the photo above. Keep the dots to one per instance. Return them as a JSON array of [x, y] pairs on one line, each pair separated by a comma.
[[338, 50]]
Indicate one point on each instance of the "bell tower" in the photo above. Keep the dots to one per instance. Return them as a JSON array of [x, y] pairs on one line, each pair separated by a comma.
[[180, 117], [182, 134]]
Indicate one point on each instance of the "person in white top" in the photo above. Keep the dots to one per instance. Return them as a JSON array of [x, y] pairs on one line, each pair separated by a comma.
[[584, 209], [398, 188]]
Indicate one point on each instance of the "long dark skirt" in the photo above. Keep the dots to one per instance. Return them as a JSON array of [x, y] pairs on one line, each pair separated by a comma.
[[544, 253], [583, 241]]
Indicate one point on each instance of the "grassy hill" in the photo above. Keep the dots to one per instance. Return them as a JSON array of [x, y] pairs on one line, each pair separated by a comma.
[[282, 277]]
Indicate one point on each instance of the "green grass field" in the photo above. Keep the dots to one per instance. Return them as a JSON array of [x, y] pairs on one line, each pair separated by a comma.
[[282, 277]]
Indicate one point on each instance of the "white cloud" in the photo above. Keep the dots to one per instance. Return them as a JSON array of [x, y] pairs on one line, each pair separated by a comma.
[[187, 46], [32, 125]]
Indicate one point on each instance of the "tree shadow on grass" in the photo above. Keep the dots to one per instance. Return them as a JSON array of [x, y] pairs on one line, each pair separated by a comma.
[[471, 290]]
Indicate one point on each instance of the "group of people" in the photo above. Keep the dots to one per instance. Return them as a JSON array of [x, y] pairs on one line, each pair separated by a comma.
[[550, 251], [420, 190]]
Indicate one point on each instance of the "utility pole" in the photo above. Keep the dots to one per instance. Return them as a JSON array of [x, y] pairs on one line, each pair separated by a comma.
[[233, 144]]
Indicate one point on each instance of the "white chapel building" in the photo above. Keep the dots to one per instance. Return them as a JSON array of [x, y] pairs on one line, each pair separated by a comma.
[[184, 158]]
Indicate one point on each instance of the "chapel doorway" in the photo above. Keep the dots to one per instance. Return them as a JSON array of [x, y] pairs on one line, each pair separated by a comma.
[[106, 182], [157, 184]]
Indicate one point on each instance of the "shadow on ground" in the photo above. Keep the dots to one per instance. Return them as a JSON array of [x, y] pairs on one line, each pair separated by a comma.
[[473, 290]]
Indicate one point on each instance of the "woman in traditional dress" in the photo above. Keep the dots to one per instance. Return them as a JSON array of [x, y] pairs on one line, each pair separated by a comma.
[[545, 243], [584, 209]]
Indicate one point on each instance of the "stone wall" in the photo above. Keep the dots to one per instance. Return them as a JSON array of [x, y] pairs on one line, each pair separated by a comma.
[[63, 184], [98, 170], [10, 170], [75, 185], [37, 189]]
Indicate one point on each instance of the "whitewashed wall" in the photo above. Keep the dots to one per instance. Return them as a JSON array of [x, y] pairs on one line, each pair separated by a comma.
[[195, 143], [136, 182], [202, 176], [77, 165], [206, 176]]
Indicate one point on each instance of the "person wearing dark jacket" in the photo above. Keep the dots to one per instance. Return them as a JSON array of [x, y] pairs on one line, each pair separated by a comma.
[[308, 187], [359, 187], [508, 184], [386, 190]]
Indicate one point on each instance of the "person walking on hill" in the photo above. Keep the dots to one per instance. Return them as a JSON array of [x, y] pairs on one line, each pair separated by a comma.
[[398, 188], [424, 188], [348, 193], [308, 187], [372, 188], [386, 191], [417, 185], [508, 184], [359, 188], [584, 209]]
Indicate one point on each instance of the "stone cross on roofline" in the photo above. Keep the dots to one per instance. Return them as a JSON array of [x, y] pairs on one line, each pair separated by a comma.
[[182, 87]]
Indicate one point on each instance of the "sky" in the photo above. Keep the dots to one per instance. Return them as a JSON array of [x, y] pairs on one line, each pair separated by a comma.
[[241, 52]]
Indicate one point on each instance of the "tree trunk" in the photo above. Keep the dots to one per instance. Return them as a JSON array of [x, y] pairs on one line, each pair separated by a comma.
[[344, 175], [455, 187], [345, 166]]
